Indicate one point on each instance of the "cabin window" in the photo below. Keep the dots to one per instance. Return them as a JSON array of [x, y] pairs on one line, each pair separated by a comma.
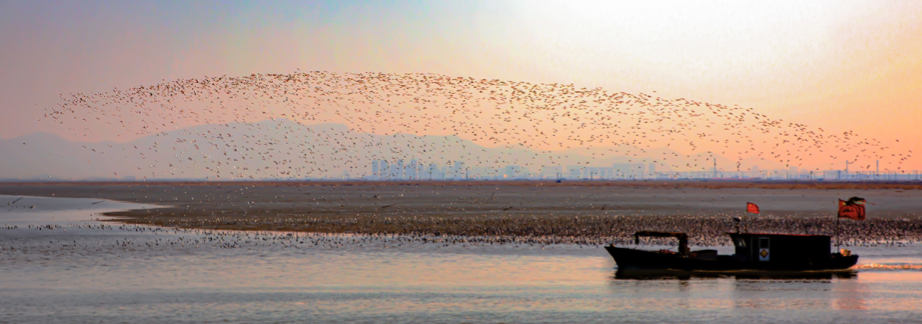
[[763, 253], [740, 243]]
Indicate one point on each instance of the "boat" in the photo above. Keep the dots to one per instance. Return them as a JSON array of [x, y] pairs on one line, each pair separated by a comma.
[[755, 252]]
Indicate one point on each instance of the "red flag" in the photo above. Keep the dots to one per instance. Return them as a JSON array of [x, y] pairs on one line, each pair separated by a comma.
[[853, 208], [752, 208]]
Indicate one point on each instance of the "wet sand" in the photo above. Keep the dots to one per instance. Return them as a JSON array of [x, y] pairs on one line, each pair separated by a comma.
[[587, 212]]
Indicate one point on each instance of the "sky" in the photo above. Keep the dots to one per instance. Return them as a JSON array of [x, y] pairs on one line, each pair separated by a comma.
[[836, 65]]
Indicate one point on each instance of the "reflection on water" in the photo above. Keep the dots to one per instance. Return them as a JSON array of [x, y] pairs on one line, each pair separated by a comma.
[[893, 266], [685, 275], [81, 270]]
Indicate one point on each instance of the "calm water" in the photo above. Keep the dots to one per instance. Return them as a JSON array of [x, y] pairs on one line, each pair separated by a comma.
[[69, 268]]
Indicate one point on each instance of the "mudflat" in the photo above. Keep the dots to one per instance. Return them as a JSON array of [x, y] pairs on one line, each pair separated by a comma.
[[590, 212]]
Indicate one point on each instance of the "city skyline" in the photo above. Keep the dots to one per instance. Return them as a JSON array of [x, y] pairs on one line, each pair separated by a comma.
[[49, 157], [382, 170]]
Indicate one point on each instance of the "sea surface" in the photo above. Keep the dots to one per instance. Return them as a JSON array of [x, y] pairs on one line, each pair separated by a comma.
[[60, 262]]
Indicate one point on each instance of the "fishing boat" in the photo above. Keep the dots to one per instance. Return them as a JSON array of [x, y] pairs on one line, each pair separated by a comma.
[[754, 252]]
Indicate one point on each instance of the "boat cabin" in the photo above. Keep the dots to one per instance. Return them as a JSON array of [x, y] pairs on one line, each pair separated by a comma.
[[760, 247]]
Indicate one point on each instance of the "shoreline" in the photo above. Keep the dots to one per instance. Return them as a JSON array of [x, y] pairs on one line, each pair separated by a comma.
[[557, 212], [548, 231]]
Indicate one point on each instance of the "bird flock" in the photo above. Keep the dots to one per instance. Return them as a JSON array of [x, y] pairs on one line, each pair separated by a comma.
[[590, 230], [471, 115], [381, 110], [465, 232]]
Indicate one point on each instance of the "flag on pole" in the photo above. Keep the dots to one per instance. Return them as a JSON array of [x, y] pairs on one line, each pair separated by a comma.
[[752, 208], [853, 208]]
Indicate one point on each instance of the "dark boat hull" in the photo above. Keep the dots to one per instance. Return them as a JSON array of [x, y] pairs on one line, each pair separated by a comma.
[[631, 259]]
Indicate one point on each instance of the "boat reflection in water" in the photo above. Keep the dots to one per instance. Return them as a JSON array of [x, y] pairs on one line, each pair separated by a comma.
[[665, 274]]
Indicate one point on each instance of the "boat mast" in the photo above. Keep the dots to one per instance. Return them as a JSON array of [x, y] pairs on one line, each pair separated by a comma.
[[837, 232]]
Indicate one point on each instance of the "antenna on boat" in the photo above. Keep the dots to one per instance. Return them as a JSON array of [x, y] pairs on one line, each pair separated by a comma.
[[737, 220]]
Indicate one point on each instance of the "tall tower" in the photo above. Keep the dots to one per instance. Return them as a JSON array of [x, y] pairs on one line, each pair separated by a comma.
[[433, 170], [400, 168], [413, 170], [374, 170], [715, 168], [457, 170]]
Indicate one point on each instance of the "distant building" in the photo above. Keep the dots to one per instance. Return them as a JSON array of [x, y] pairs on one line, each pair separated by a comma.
[[399, 170], [574, 172], [375, 174], [597, 173], [628, 170], [552, 172], [515, 172], [433, 172], [456, 171], [413, 170], [385, 171]]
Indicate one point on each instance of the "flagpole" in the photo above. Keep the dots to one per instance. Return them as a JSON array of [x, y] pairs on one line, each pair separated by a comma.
[[837, 232]]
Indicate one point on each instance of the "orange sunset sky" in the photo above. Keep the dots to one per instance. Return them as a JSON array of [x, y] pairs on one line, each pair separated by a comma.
[[836, 65]]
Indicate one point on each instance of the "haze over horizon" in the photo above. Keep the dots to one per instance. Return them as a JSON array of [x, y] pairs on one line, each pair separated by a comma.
[[50, 157]]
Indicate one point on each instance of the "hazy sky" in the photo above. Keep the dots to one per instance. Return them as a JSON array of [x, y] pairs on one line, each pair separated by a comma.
[[838, 65]]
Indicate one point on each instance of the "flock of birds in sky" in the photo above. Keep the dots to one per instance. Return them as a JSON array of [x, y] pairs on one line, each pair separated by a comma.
[[545, 118]]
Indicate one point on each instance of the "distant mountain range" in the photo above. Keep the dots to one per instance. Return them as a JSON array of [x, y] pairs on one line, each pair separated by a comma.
[[284, 149]]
